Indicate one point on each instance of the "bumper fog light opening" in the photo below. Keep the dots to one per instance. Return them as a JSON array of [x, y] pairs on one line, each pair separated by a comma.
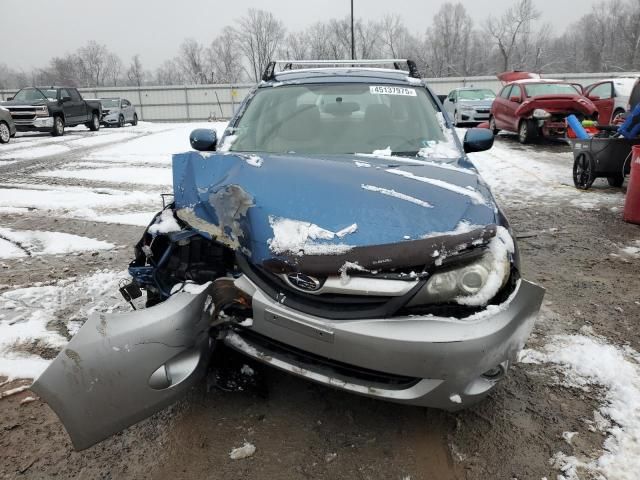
[[495, 373]]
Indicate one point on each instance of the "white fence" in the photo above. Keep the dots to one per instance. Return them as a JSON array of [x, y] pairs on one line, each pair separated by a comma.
[[203, 102], [172, 104]]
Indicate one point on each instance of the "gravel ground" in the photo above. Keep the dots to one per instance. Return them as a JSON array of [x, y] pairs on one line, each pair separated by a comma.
[[302, 430]]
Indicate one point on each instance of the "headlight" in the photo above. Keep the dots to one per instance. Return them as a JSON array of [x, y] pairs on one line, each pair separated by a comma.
[[474, 284], [540, 114], [42, 111]]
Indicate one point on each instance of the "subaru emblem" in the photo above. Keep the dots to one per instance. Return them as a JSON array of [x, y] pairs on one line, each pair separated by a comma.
[[304, 282]]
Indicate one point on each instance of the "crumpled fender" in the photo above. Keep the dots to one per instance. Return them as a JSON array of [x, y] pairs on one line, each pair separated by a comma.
[[557, 104]]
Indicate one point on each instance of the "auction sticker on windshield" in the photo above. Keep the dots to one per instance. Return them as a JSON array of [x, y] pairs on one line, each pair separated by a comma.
[[385, 90]]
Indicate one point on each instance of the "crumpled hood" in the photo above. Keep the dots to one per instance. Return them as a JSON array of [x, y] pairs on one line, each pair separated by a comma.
[[292, 207], [563, 104]]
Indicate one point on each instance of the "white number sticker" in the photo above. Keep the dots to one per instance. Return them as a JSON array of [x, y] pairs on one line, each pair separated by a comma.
[[384, 90]]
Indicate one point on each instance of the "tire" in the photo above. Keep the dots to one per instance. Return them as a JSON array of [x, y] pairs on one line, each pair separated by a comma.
[[58, 127], [456, 123], [526, 132], [94, 124], [583, 172], [135, 119], [5, 132], [121, 121], [616, 180], [492, 125]]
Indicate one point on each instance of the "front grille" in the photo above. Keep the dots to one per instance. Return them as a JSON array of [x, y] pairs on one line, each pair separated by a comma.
[[345, 371], [482, 110]]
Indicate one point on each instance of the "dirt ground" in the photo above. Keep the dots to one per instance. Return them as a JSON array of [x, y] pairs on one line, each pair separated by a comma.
[[302, 430]]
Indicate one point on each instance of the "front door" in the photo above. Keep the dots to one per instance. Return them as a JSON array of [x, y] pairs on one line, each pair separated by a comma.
[[601, 94]]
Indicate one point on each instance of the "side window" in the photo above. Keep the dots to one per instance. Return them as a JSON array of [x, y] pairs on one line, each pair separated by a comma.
[[64, 93], [516, 91], [126, 103], [505, 93], [75, 96], [604, 91]]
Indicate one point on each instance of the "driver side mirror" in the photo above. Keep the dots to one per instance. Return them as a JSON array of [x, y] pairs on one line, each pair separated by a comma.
[[9, 99], [204, 140], [65, 99], [452, 100], [478, 140]]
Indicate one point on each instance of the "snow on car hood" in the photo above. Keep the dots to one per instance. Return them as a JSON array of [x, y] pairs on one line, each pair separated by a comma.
[[290, 206]]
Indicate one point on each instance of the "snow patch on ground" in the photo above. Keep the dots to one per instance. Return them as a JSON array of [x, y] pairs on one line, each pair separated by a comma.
[[32, 242], [527, 176], [244, 451], [587, 361], [140, 175], [40, 315]]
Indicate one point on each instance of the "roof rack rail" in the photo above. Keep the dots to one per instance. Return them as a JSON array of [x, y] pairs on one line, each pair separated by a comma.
[[270, 71]]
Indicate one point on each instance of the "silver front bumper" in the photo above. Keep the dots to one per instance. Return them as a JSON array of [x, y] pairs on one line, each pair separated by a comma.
[[447, 357]]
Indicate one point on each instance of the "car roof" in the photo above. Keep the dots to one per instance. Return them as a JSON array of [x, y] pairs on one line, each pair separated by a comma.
[[344, 75]]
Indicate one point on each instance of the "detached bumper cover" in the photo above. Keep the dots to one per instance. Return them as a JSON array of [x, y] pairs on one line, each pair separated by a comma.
[[120, 369], [447, 357]]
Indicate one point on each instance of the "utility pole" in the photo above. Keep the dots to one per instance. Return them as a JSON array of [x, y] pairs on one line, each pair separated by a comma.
[[353, 37]]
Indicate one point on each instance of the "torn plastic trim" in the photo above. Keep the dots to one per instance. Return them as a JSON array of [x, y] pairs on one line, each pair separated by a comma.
[[119, 369]]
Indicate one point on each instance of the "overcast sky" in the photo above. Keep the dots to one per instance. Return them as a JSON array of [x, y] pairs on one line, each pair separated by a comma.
[[33, 31]]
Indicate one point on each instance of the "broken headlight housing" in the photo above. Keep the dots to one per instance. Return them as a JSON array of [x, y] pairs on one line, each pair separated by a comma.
[[473, 284], [540, 114]]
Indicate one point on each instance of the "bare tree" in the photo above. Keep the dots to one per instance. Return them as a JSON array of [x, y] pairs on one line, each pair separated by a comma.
[[113, 68], [225, 59], [192, 60], [449, 38], [512, 28], [92, 62], [169, 73], [135, 73], [259, 34]]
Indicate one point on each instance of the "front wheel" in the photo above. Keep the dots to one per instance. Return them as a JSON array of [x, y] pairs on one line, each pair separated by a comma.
[[526, 132], [58, 127], [583, 172], [121, 121], [94, 124], [5, 133], [492, 125], [135, 119]]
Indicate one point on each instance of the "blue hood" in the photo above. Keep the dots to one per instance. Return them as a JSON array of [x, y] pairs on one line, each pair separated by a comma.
[[355, 201]]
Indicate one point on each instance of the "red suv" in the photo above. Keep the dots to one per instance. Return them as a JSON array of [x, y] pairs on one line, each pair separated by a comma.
[[535, 107]]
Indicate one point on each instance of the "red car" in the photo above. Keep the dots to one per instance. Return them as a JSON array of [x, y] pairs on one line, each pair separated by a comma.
[[534, 107]]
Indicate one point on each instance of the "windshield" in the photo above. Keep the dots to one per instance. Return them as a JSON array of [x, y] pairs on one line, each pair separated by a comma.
[[110, 102], [34, 94], [341, 119], [535, 89], [476, 95]]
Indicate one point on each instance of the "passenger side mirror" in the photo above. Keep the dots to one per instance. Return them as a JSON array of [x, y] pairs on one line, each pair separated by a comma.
[[515, 99], [9, 99], [478, 140], [452, 100], [204, 140]]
